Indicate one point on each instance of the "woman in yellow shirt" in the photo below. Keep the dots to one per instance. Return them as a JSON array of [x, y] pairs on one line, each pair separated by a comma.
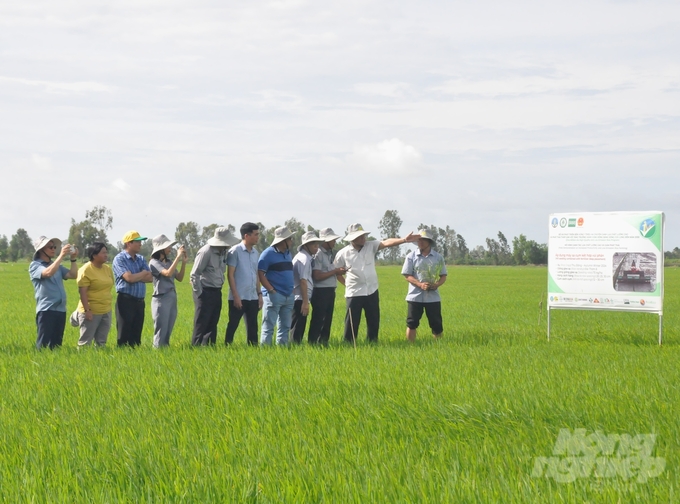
[[95, 283]]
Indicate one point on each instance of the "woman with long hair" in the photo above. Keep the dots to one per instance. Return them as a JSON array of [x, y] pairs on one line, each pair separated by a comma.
[[164, 300]]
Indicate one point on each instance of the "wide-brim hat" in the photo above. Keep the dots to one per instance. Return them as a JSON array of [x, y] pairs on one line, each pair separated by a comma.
[[42, 242], [131, 236], [328, 235], [354, 231], [161, 242], [426, 233], [223, 238], [280, 234], [309, 237]]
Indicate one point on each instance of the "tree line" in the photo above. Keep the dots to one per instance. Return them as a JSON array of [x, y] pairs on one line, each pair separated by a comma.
[[450, 244]]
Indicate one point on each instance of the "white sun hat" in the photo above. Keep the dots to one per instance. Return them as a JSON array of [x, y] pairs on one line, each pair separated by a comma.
[[309, 237], [223, 238], [161, 242], [354, 231], [42, 242], [280, 234], [327, 235]]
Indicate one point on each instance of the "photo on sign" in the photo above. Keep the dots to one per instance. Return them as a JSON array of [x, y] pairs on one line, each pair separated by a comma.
[[634, 271]]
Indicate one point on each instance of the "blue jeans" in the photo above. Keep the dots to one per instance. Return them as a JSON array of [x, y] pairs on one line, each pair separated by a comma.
[[277, 310]]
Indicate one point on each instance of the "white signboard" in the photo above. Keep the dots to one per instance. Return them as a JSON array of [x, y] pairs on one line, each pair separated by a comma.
[[606, 261]]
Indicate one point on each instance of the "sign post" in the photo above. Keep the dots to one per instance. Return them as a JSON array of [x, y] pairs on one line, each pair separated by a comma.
[[606, 261]]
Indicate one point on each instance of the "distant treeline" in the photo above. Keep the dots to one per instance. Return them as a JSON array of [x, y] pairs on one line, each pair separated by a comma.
[[450, 244]]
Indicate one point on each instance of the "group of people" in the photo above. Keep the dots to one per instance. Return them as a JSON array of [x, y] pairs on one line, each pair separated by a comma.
[[285, 287]]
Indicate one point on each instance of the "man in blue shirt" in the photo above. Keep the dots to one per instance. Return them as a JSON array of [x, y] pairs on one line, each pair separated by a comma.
[[48, 282], [131, 273], [425, 271], [245, 297], [275, 269]]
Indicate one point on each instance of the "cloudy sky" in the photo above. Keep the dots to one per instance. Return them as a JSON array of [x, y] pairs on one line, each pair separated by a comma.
[[483, 116]]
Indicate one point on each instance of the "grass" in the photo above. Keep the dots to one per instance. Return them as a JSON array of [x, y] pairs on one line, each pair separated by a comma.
[[461, 419]]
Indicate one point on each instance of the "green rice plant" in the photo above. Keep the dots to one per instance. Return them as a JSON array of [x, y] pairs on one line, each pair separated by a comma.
[[460, 419]]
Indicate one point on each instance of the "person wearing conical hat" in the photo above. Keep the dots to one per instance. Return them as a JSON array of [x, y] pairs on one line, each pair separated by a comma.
[[275, 270], [131, 273], [48, 275], [361, 282], [164, 301], [303, 285], [425, 271], [326, 277], [207, 278]]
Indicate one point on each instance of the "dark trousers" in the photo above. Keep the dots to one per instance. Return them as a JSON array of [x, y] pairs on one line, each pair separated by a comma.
[[51, 325], [129, 319], [206, 316], [298, 323], [371, 307], [249, 310], [323, 304], [433, 312]]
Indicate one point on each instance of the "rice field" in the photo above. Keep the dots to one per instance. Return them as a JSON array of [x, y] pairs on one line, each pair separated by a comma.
[[473, 417]]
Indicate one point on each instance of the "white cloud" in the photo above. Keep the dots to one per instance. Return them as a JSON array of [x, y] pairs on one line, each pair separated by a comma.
[[41, 162], [121, 185], [63, 87], [391, 157], [387, 89]]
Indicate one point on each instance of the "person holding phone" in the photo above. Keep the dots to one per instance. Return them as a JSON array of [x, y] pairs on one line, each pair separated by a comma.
[[48, 275], [164, 300]]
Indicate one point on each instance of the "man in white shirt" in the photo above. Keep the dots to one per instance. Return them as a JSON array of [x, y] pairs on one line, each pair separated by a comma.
[[361, 282]]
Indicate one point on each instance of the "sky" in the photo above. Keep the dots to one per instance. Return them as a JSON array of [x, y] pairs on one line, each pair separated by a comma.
[[483, 116]]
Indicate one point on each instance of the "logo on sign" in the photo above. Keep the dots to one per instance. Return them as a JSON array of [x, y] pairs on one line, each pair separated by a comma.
[[563, 222], [579, 222], [553, 222], [647, 227], [642, 302], [572, 222]]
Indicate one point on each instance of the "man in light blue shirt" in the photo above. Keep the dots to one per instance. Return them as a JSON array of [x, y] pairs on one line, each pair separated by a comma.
[[48, 278], [245, 297], [425, 271]]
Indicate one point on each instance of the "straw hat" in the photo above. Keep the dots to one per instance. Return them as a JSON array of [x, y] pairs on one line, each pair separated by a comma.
[[223, 238], [354, 231], [161, 242], [280, 234]]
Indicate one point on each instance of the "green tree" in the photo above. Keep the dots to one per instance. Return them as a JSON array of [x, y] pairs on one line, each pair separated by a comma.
[[492, 253], [266, 236], [389, 226], [209, 231], [93, 229], [20, 246], [298, 229], [188, 234], [519, 248], [4, 248], [463, 251], [528, 251], [504, 254]]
